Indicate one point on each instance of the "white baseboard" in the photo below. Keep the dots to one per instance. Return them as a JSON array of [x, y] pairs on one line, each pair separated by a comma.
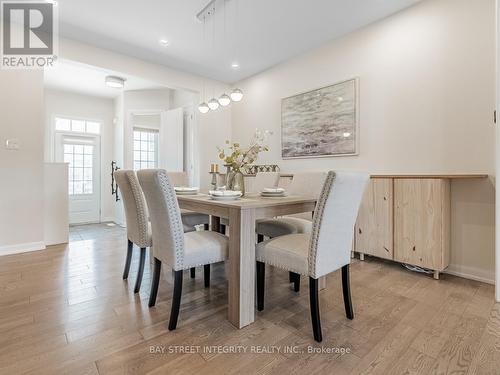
[[22, 248], [471, 273]]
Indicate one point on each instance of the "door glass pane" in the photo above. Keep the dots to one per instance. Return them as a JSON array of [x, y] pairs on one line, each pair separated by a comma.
[[80, 176], [78, 149]]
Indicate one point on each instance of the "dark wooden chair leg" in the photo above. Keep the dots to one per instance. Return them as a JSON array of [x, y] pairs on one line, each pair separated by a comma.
[[314, 305], [206, 226], [155, 282], [206, 275], [261, 277], [130, 248], [176, 300], [290, 276], [260, 238], [296, 282], [193, 272], [222, 229], [346, 289], [142, 260]]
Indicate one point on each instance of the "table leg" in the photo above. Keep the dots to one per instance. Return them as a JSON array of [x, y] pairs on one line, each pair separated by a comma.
[[322, 283], [241, 293]]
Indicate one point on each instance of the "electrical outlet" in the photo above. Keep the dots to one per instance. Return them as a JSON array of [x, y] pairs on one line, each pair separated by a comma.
[[12, 144]]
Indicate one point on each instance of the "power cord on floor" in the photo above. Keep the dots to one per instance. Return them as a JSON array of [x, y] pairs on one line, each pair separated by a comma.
[[417, 268]]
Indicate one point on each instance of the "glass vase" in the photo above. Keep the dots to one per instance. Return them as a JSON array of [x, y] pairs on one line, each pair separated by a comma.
[[236, 181]]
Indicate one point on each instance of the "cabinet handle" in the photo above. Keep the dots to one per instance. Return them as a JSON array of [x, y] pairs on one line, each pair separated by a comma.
[[359, 230], [386, 249], [414, 248]]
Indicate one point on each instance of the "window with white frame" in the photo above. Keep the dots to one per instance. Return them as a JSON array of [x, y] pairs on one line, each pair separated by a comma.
[[145, 148], [78, 126]]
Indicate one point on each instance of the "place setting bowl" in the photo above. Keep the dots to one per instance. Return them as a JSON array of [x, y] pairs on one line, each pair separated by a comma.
[[185, 190], [225, 195], [273, 193]]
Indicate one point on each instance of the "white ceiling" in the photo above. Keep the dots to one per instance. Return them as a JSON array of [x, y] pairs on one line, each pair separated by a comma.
[[268, 32], [89, 80]]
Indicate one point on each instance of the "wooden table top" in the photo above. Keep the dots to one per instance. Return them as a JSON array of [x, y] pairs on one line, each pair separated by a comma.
[[249, 201]]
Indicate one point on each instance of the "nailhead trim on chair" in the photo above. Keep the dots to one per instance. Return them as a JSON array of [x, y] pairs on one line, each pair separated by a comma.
[[286, 268], [318, 216], [174, 214]]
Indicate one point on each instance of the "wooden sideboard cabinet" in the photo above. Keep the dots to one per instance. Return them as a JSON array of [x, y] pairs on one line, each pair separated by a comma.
[[422, 215], [407, 219], [374, 227]]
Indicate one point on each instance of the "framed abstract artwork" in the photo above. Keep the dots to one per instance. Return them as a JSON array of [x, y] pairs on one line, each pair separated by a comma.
[[322, 122]]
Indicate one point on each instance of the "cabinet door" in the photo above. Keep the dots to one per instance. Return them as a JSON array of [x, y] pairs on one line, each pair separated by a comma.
[[421, 222], [374, 227]]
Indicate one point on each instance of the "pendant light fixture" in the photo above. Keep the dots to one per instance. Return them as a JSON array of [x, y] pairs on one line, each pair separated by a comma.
[[236, 95], [224, 100], [203, 108], [213, 104]]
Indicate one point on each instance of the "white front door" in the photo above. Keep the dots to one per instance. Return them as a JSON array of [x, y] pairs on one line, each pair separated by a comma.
[[83, 155]]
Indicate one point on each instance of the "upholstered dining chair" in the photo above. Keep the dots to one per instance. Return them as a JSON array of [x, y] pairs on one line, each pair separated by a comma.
[[261, 181], [326, 249], [174, 248], [136, 217], [303, 184], [190, 219]]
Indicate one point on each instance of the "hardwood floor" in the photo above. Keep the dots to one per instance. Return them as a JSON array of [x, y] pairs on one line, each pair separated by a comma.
[[67, 310]]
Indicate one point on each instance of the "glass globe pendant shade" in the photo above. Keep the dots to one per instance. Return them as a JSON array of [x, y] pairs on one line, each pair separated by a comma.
[[213, 104], [203, 107], [224, 100], [236, 95]]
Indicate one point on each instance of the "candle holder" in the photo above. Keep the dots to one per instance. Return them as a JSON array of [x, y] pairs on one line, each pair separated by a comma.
[[214, 171], [215, 176]]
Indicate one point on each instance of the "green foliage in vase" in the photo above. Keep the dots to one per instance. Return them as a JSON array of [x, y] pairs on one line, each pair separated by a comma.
[[237, 157]]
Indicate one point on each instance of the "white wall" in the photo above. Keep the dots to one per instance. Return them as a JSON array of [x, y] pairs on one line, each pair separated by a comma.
[[427, 95], [21, 183], [213, 128], [72, 105]]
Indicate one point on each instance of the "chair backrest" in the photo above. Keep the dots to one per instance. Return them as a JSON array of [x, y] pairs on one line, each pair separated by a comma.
[[333, 222], [136, 213], [178, 179], [166, 222], [265, 180], [307, 183]]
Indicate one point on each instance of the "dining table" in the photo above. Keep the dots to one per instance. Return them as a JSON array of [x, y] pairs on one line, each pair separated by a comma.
[[242, 214]]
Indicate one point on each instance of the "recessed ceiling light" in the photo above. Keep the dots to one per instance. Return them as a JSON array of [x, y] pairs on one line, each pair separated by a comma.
[[53, 2], [164, 42], [235, 65], [115, 82], [347, 135]]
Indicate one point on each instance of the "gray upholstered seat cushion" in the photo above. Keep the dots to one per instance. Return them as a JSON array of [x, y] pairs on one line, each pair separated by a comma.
[[289, 252], [191, 218], [283, 225], [204, 247], [274, 228]]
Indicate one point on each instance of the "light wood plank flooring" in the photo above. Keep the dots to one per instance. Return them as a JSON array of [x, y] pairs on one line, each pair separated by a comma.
[[66, 310]]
